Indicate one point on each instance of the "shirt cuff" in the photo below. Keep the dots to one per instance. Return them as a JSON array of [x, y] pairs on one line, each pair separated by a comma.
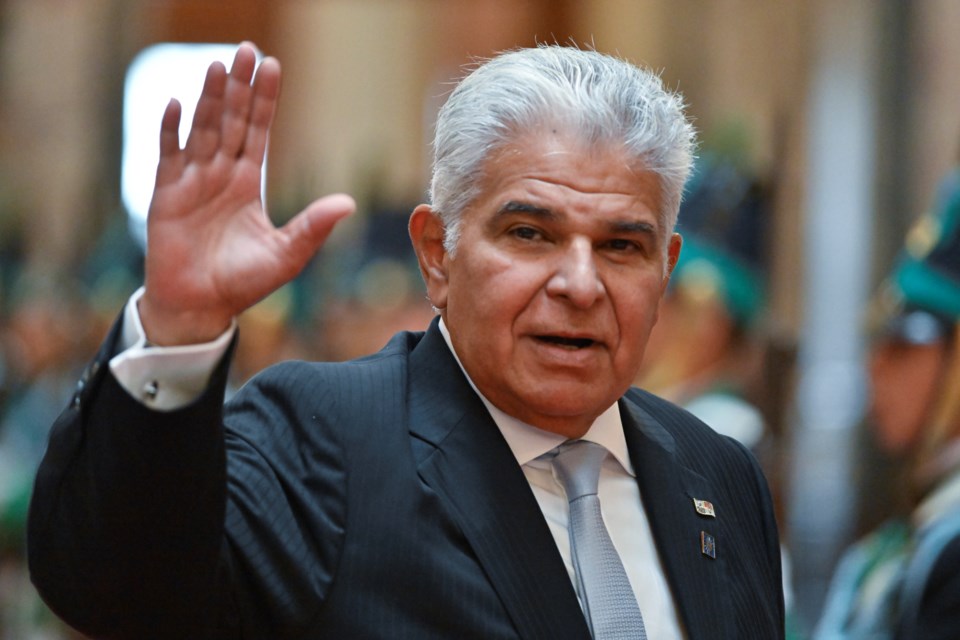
[[164, 378]]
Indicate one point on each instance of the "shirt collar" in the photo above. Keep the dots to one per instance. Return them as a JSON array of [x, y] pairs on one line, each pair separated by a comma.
[[528, 442]]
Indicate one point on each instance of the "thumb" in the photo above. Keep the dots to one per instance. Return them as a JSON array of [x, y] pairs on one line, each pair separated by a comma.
[[309, 229]]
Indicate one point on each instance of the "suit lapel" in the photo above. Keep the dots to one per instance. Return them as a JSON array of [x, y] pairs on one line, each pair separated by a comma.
[[464, 458], [668, 490]]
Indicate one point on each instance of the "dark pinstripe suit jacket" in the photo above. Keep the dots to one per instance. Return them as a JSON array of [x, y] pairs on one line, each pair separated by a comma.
[[370, 499]]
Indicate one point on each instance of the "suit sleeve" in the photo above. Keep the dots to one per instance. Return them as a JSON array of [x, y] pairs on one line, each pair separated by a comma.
[[126, 521]]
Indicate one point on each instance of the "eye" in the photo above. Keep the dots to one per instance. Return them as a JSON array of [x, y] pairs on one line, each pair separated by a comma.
[[623, 245], [526, 233]]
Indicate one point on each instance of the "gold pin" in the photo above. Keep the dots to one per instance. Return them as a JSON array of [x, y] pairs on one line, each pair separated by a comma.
[[708, 545], [704, 508]]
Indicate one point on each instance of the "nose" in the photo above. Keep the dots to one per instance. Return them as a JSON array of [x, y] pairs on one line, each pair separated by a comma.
[[576, 277]]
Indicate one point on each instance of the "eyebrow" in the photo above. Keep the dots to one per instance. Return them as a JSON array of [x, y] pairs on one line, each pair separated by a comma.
[[633, 227], [515, 206], [619, 226]]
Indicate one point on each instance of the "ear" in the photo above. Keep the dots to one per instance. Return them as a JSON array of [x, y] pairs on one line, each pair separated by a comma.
[[426, 234], [673, 254]]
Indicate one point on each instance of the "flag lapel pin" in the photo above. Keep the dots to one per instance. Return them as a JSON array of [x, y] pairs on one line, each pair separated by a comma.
[[708, 545], [704, 508]]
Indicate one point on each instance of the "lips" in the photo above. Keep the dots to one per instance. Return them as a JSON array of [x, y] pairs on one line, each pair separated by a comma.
[[568, 343]]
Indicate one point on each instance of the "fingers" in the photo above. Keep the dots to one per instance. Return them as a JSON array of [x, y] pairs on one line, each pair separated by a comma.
[[168, 167], [308, 230], [204, 139], [266, 91], [170, 129], [222, 120], [237, 100]]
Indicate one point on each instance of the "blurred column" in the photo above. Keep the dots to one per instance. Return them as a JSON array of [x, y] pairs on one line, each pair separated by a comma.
[[56, 71], [839, 207], [353, 98], [634, 29], [933, 94]]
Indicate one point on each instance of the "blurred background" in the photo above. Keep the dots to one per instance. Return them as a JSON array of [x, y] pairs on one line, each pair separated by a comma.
[[839, 118]]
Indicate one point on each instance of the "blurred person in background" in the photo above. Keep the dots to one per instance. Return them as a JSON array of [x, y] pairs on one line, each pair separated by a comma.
[[902, 580], [380, 290]]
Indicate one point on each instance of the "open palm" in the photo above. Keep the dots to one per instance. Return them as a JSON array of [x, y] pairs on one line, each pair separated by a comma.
[[212, 251]]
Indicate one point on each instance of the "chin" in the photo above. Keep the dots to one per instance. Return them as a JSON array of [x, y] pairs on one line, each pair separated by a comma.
[[566, 406]]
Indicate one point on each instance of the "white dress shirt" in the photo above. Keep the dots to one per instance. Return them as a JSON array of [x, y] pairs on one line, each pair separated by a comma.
[[167, 378]]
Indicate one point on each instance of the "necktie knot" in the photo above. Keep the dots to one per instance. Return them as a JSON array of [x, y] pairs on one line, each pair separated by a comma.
[[578, 467]]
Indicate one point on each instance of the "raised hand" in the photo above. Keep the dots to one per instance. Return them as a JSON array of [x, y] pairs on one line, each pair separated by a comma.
[[212, 251]]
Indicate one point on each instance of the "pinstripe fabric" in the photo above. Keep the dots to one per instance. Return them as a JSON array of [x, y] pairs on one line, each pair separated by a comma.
[[738, 594], [356, 500]]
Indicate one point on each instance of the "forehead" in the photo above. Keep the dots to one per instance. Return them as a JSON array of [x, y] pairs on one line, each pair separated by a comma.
[[569, 176]]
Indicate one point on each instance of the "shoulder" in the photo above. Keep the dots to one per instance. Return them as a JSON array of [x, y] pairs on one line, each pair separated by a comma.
[[720, 459], [311, 400], [931, 594], [304, 379], [684, 428]]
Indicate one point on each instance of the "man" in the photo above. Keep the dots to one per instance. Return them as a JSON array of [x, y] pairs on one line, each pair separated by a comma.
[[412, 493]]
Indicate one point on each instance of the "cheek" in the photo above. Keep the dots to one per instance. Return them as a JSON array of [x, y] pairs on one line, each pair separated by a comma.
[[891, 424], [638, 304], [488, 295], [886, 405], [899, 417], [636, 314]]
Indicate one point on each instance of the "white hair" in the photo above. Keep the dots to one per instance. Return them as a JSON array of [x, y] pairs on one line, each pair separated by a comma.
[[601, 98]]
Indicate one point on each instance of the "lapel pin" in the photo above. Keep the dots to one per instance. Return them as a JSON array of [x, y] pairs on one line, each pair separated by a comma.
[[708, 545], [704, 508]]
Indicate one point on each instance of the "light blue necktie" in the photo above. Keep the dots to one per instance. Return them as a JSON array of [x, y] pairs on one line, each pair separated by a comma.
[[608, 600]]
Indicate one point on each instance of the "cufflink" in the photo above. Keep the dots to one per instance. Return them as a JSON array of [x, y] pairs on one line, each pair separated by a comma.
[[150, 390]]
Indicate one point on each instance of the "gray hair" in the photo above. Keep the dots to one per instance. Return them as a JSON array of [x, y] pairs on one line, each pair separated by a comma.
[[604, 99]]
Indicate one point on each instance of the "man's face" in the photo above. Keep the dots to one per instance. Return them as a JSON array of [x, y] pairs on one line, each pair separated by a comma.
[[899, 416], [553, 289]]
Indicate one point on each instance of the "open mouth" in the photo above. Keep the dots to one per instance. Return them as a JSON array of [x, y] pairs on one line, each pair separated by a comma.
[[568, 343]]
